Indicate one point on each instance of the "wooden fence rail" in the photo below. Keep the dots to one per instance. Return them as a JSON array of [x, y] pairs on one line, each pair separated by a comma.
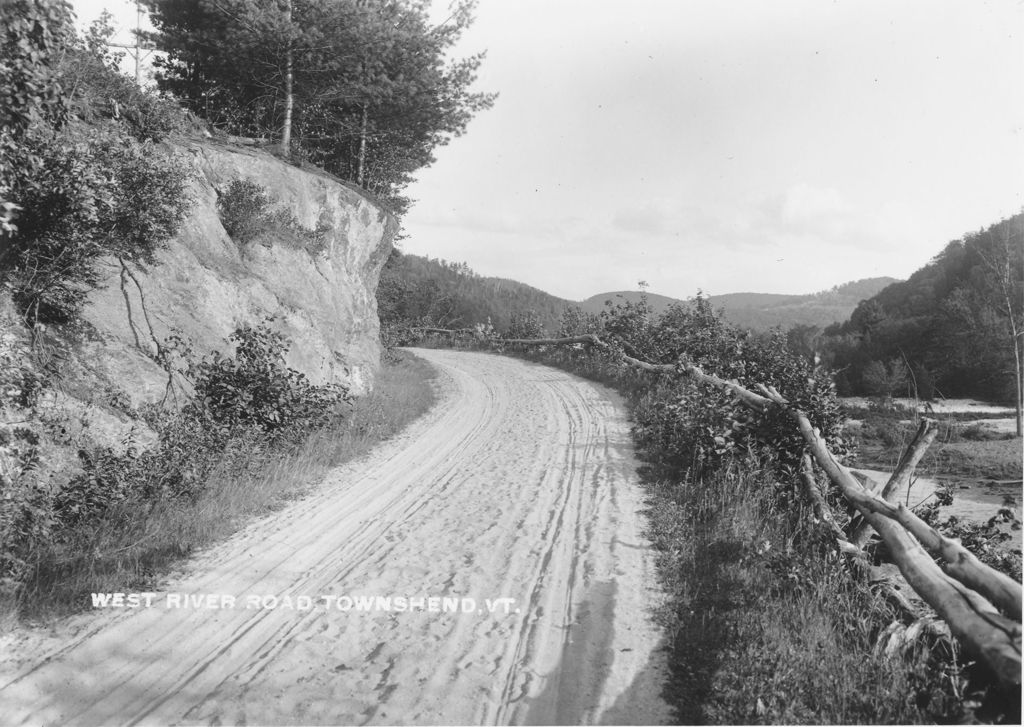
[[981, 605]]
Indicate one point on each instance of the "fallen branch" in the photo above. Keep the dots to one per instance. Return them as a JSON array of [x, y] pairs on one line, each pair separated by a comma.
[[821, 509], [245, 140], [900, 479], [593, 340], [991, 636], [960, 562], [448, 331]]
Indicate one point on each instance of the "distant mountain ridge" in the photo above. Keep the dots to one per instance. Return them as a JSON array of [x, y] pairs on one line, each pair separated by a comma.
[[451, 294], [761, 311]]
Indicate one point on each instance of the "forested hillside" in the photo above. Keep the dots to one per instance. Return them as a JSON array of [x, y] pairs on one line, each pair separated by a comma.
[[952, 329], [422, 291], [761, 311], [597, 303]]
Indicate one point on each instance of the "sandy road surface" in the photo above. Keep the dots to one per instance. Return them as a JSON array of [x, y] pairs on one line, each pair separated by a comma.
[[519, 484]]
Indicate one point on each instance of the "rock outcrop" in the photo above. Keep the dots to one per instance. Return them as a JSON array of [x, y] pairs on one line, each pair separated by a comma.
[[205, 284]]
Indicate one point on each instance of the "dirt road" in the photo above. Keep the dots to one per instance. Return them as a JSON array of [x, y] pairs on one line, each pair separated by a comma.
[[518, 485]]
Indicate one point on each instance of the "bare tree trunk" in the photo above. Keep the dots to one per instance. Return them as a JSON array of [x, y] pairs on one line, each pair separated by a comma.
[[1019, 382], [361, 174], [289, 96], [900, 479]]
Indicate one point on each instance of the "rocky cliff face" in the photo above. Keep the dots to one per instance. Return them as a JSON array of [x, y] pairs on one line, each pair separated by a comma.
[[206, 284]]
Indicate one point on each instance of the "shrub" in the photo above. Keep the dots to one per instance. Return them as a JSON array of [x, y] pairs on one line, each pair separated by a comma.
[[81, 176], [525, 325], [693, 425], [25, 509], [255, 387], [244, 404], [25, 513], [30, 88], [989, 541], [94, 193], [243, 209], [250, 213], [576, 322]]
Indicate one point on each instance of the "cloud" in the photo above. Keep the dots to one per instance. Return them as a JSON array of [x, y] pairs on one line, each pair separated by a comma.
[[804, 205], [640, 219]]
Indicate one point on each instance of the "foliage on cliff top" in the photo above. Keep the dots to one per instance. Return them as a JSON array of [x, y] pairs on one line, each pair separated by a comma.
[[361, 88]]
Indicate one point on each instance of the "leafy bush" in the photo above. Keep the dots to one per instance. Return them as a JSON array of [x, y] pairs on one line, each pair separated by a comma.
[[690, 425], [250, 213], [82, 178], [243, 209], [255, 387], [25, 509], [30, 89], [525, 325], [989, 541], [576, 322], [94, 193], [244, 403]]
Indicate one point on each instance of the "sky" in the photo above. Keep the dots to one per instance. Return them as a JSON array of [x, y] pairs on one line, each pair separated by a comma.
[[780, 146]]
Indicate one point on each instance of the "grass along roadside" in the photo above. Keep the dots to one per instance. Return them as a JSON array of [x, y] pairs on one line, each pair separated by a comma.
[[135, 543], [763, 629]]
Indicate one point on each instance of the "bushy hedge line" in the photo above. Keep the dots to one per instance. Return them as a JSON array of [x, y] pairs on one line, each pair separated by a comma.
[[687, 426]]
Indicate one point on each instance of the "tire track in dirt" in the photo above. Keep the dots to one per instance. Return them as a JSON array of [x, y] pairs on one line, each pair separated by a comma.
[[519, 484]]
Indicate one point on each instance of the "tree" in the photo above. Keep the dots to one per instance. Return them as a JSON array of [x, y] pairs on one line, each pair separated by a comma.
[[803, 340], [958, 318], [362, 88], [525, 324], [30, 91], [883, 380], [998, 283]]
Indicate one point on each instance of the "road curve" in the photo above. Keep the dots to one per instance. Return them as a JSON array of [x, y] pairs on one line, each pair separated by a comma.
[[520, 484]]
